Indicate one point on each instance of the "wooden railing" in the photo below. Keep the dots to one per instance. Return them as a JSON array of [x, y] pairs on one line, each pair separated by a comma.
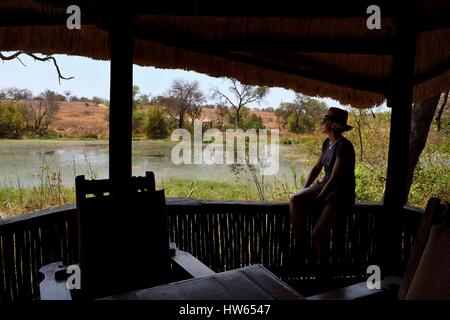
[[224, 235]]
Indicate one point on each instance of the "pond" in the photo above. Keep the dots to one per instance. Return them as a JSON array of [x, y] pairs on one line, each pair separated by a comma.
[[23, 162]]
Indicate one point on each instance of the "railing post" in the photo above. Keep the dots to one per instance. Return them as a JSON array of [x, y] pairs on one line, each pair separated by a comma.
[[400, 101], [121, 101]]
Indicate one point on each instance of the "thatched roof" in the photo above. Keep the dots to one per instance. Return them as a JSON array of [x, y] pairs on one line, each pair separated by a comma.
[[322, 49]]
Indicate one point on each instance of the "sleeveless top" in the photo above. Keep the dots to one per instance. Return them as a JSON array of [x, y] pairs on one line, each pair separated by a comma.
[[345, 181]]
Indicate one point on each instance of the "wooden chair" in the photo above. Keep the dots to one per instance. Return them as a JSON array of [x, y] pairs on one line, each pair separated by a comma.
[[123, 242], [429, 255]]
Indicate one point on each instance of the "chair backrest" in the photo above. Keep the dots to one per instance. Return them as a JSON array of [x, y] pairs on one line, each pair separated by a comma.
[[432, 216], [122, 236], [431, 281]]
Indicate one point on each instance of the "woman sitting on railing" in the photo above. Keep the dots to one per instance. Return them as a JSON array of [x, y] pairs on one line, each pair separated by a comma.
[[327, 199]]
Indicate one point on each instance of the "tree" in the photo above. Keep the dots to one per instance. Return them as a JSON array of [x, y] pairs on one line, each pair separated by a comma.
[[248, 119], [38, 117], [301, 115], [240, 95], [222, 113], [143, 99], [441, 110], [15, 94], [184, 99], [67, 93], [134, 93], [97, 100], [421, 119]]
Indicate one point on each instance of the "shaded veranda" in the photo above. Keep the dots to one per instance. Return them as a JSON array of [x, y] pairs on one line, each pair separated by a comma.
[[316, 51]]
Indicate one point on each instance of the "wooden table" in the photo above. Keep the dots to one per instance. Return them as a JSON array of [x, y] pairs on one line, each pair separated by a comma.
[[249, 283]]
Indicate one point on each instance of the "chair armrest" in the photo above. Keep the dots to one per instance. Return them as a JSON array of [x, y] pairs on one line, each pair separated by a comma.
[[188, 264], [54, 285], [360, 291]]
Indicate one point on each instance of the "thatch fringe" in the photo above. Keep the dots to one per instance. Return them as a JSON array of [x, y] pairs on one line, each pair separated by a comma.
[[358, 79]]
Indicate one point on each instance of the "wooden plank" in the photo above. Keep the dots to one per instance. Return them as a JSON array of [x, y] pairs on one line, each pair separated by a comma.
[[217, 244], [240, 245], [47, 243], [234, 240], [204, 289], [207, 239], [254, 282], [9, 266], [34, 218], [27, 271], [191, 265], [19, 248], [33, 259], [221, 233], [271, 284], [197, 233], [245, 240], [242, 287], [3, 295]]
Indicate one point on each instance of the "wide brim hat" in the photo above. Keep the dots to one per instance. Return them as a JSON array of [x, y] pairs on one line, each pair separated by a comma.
[[338, 117]]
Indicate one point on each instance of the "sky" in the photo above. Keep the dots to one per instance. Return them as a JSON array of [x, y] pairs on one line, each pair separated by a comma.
[[92, 79]]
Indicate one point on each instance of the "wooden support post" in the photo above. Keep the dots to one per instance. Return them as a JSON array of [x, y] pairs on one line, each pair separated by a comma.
[[121, 100], [400, 101]]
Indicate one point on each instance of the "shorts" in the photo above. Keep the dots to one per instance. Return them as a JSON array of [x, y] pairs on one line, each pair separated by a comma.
[[337, 198]]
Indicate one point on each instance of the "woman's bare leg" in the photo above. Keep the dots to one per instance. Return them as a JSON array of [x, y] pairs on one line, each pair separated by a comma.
[[321, 236], [302, 203]]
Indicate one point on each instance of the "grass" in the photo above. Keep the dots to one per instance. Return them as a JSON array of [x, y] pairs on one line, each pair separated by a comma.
[[15, 201], [208, 190]]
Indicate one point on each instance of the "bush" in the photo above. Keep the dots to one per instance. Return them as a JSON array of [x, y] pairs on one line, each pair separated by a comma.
[[138, 125], [369, 186], [431, 179], [156, 127], [11, 120]]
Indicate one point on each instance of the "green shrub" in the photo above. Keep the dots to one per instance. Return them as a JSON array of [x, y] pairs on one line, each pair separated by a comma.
[[156, 126], [138, 125], [12, 120]]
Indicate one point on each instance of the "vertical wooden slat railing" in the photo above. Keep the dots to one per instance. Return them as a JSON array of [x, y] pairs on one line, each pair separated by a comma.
[[30, 241], [224, 235]]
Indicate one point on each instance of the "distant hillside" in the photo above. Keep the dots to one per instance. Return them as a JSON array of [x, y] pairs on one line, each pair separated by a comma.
[[81, 119], [88, 120]]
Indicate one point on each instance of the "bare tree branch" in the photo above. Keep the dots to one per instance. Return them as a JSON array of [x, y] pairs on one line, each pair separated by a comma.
[[47, 58]]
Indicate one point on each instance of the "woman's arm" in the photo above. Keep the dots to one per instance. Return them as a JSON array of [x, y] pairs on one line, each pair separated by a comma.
[[315, 171], [338, 165]]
